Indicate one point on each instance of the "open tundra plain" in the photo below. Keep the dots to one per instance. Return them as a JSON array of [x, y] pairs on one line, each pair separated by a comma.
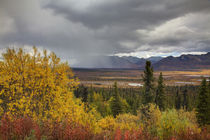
[[133, 78]]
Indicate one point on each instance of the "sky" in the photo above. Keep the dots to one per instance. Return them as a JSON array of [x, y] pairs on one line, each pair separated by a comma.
[[76, 30]]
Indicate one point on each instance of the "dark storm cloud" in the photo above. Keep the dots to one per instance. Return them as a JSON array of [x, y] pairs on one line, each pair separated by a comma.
[[132, 13], [83, 28]]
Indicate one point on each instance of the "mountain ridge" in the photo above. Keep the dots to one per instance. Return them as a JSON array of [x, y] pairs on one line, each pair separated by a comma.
[[183, 62]]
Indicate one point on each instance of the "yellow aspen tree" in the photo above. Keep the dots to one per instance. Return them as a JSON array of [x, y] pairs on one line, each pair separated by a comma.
[[40, 86]]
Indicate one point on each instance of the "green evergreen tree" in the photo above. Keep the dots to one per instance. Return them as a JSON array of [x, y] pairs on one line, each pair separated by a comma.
[[116, 104], [148, 79], [81, 92], [85, 94], [185, 103], [209, 84], [178, 100], [160, 99], [90, 95], [208, 121], [202, 107]]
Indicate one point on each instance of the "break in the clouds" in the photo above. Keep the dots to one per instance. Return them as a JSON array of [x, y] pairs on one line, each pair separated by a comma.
[[79, 29]]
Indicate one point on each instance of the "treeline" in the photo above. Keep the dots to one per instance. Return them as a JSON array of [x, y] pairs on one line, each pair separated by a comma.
[[177, 97], [114, 100]]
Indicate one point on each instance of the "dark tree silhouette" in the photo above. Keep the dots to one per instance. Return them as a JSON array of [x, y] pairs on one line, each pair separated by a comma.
[[148, 79], [160, 94], [116, 104], [202, 107]]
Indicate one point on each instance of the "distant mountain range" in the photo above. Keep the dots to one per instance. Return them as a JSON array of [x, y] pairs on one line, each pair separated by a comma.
[[182, 62], [140, 62], [116, 62]]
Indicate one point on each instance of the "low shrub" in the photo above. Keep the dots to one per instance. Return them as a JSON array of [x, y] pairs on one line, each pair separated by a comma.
[[172, 125], [174, 122]]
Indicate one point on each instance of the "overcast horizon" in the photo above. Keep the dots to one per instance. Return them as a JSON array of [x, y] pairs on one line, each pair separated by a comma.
[[77, 30]]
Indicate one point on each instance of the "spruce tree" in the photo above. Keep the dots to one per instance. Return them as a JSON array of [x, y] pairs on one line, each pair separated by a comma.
[[202, 107], [90, 95], [116, 104], [208, 121], [178, 100], [160, 94], [185, 103], [148, 83], [81, 92]]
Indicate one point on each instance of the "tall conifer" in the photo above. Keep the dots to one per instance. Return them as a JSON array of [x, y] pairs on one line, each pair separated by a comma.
[[185, 103], [116, 104], [208, 119], [160, 94], [178, 100], [148, 84], [202, 107]]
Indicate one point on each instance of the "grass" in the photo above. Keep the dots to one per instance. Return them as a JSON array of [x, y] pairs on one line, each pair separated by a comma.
[[106, 77]]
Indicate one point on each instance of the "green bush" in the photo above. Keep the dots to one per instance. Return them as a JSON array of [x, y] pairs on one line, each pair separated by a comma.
[[150, 116], [174, 122]]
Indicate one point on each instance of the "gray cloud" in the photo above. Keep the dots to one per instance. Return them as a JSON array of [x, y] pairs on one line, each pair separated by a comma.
[[132, 13], [78, 29]]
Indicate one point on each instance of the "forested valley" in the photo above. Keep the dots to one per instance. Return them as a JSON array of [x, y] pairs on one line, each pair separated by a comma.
[[41, 99]]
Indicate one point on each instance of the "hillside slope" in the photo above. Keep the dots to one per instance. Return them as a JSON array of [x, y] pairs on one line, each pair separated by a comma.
[[184, 62]]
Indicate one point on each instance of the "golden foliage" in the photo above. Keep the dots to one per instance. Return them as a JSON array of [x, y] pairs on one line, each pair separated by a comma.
[[150, 114], [41, 87], [35, 85], [122, 122], [107, 124], [128, 122]]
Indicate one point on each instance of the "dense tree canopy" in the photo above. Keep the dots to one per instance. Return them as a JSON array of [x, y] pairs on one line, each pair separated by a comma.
[[36, 84]]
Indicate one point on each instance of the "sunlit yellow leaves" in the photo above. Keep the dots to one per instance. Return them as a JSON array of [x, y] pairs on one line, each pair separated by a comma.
[[128, 122], [36, 85], [107, 124]]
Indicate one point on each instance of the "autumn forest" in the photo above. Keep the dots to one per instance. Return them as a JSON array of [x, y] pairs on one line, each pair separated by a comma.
[[42, 99]]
